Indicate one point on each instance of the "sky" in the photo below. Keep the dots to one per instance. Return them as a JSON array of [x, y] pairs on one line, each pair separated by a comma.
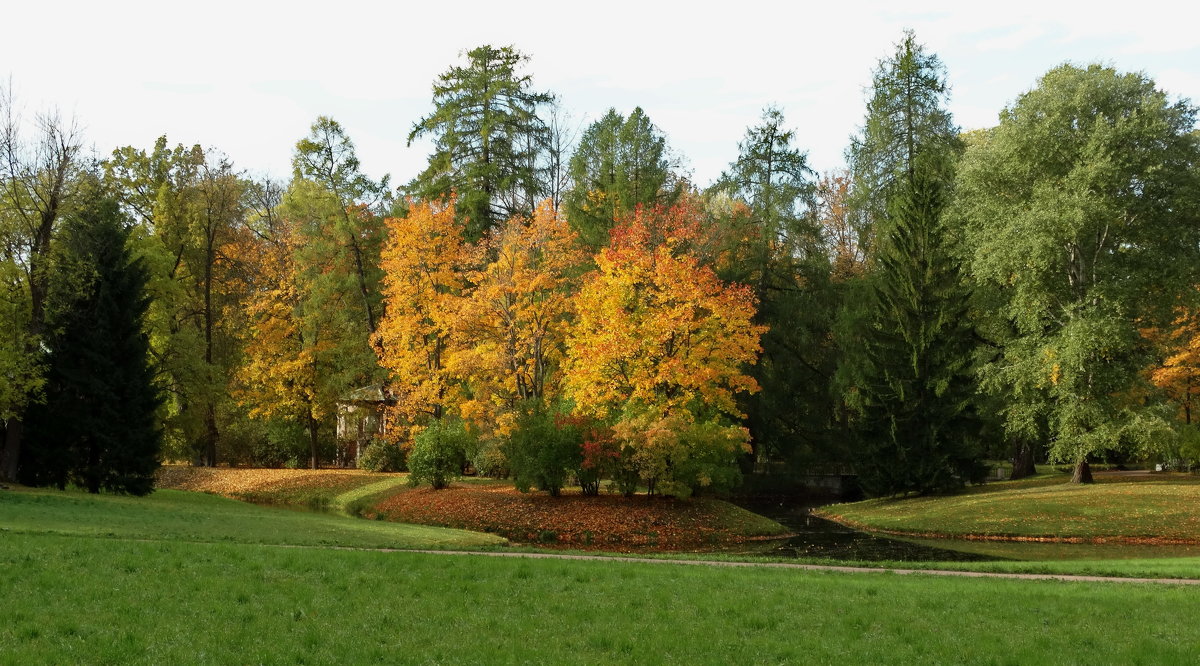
[[248, 78]]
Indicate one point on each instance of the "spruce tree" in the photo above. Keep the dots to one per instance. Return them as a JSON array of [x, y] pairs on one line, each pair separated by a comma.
[[97, 427], [918, 428]]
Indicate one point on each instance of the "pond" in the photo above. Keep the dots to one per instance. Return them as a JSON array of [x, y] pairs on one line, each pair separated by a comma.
[[817, 537]]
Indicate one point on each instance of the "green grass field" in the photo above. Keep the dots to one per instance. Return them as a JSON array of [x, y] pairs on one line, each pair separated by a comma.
[[171, 515], [1154, 508], [180, 578]]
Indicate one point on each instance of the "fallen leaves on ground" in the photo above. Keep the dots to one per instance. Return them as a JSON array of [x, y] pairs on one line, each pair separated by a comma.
[[574, 521], [265, 485]]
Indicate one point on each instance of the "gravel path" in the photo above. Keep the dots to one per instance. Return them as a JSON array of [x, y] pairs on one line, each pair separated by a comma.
[[819, 567]]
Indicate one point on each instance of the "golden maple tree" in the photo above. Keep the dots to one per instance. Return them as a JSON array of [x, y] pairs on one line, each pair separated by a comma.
[[513, 321], [425, 263]]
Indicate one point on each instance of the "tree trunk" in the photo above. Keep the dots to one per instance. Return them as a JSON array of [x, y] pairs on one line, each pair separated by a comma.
[[10, 460], [312, 441], [1083, 472], [211, 434], [1022, 461]]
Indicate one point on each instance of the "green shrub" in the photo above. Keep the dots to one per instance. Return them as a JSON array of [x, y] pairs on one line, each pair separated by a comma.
[[382, 456], [489, 460], [675, 456], [543, 452], [439, 453]]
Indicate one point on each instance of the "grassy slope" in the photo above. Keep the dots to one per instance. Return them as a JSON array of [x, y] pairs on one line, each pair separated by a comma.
[[1157, 508], [78, 599], [184, 516]]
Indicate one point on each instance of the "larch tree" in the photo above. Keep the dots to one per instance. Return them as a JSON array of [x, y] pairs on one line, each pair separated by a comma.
[[906, 115], [1081, 212], [351, 225], [782, 259], [619, 164], [486, 133]]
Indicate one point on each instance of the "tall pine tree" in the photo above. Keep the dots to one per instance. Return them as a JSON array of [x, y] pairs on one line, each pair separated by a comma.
[[917, 429], [98, 426]]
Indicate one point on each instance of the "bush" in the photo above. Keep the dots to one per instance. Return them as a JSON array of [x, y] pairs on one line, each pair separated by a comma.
[[675, 456], [543, 452], [439, 453], [382, 456], [489, 460]]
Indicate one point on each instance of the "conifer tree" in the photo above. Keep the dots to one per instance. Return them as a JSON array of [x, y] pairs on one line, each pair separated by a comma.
[[620, 164], [98, 426], [486, 132], [916, 386]]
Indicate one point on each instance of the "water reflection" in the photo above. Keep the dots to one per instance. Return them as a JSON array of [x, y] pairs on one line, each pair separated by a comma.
[[817, 537]]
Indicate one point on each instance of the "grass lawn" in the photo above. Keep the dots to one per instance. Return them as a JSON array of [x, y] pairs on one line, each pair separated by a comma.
[[171, 515], [191, 578], [1151, 508]]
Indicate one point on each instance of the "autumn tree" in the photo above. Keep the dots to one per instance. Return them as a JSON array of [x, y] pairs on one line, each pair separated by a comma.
[[280, 375], [661, 343], [39, 181], [486, 133], [845, 241], [1178, 374], [513, 321], [188, 203], [1080, 210], [620, 164], [425, 265]]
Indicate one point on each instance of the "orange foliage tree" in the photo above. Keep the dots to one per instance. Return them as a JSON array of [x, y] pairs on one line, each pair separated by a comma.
[[659, 348], [278, 377], [425, 263], [513, 322], [1179, 374]]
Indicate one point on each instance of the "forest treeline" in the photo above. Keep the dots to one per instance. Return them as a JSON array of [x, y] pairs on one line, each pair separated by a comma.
[[558, 302]]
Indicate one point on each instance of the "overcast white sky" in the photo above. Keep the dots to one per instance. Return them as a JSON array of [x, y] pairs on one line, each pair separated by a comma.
[[249, 78]]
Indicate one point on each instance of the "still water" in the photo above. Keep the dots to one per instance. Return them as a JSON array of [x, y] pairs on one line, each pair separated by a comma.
[[817, 537]]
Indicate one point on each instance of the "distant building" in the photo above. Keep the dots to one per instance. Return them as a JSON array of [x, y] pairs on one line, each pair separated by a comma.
[[360, 417]]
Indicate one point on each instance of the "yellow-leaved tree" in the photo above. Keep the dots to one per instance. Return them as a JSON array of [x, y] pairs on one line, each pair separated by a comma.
[[425, 264], [513, 323], [659, 349], [279, 375]]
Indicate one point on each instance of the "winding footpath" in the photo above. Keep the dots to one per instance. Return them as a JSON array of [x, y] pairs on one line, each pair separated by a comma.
[[808, 567]]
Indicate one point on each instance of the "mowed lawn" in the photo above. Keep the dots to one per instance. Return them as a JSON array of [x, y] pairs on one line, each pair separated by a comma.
[[82, 586], [172, 515], [1153, 508]]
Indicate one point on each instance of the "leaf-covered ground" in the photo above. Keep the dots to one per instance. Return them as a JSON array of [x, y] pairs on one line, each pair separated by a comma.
[[607, 522], [283, 486], [1160, 508]]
